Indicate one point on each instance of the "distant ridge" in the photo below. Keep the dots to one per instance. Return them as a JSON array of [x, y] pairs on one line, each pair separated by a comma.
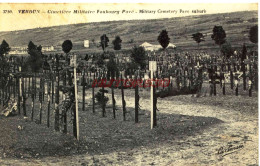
[[135, 32]]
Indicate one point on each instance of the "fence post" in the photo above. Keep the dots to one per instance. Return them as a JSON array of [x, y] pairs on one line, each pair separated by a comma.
[[236, 83], [29, 88], [24, 97], [43, 88], [223, 87], [93, 94], [154, 106], [52, 87], [25, 84], [152, 68], [64, 117], [56, 111], [76, 97], [83, 90], [35, 85], [32, 109], [256, 76], [41, 98], [113, 97], [103, 95], [250, 87], [136, 98], [49, 104], [123, 98], [152, 101], [244, 75], [19, 92], [13, 87], [8, 87], [214, 83]]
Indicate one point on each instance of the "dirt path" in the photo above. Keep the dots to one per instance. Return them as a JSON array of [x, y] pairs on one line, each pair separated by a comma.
[[231, 137]]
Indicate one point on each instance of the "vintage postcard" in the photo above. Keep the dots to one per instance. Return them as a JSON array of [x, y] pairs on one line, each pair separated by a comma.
[[129, 84]]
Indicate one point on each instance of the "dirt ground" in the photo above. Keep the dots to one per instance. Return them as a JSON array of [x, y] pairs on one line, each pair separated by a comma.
[[217, 130]]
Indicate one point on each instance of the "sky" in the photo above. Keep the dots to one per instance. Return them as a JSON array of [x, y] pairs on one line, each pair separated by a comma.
[[15, 17]]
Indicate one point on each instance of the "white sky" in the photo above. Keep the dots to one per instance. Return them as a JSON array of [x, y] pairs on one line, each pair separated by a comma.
[[16, 21]]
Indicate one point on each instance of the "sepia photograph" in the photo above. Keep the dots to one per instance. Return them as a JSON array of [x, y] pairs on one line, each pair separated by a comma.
[[135, 84]]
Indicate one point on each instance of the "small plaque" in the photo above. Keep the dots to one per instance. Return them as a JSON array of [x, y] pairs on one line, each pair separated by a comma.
[[152, 65]]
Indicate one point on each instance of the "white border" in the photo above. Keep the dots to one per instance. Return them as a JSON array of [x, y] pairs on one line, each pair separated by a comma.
[[153, 1], [129, 1]]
